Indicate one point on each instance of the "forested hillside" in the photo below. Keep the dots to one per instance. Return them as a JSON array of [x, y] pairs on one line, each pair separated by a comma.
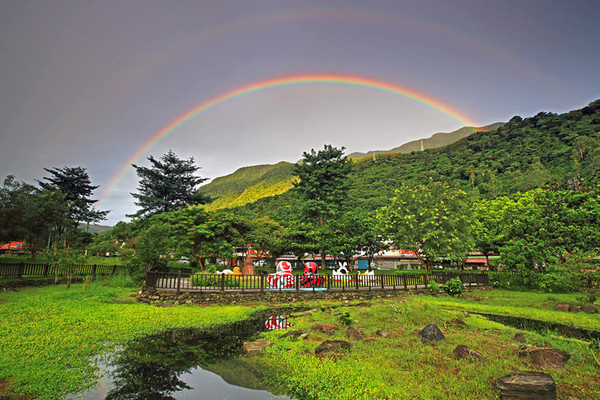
[[249, 184], [561, 151], [440, 139]]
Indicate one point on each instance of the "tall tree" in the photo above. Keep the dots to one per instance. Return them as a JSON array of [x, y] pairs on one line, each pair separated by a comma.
[[432, 221], [323, 186], [168, 185], [75, 184]]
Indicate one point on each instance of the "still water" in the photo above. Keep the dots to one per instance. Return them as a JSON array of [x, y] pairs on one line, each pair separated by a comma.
[[183, 363]]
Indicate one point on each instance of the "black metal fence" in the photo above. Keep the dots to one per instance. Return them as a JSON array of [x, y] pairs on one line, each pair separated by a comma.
[[182, 281], [22, 270]]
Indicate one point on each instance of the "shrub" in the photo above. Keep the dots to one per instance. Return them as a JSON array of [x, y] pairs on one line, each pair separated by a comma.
[[556, 280], [212, 280], [454, 287], [434, 287]]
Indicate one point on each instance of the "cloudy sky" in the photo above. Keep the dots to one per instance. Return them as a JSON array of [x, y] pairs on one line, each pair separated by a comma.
[[102, 84]]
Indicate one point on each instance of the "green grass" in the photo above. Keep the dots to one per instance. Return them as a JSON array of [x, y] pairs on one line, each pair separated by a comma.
[[401, 367], [41, 259], [50, 333]]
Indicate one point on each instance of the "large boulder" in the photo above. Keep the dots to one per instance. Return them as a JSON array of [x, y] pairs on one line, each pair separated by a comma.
[[431, 334], [563, 307], [589, 309], [527, 385], [332, 346]]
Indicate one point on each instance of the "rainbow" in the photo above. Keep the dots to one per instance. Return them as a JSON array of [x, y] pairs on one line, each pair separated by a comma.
[[286, 81]]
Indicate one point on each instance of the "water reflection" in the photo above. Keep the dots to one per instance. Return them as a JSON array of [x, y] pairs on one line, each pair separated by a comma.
[[185, 363]]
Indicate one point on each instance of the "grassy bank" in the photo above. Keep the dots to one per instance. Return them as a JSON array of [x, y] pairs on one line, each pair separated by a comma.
[[50, 333], [399, 366]]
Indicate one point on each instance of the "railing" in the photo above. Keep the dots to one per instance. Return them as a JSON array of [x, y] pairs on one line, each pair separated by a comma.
[[181, 281], [21, 270]]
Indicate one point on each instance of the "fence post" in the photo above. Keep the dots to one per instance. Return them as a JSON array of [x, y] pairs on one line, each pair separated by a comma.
[[297, 283], [94, 270], [223, 283], [382, 281], [262, 283], [404, 281], [45, 270], [357, 281], [328, 281], [178, 282], [21, 269]]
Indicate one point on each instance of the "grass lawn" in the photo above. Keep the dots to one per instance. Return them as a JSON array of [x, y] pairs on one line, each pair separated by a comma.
[[49, 334]]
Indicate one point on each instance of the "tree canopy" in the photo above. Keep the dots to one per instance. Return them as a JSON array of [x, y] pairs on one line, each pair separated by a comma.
[[167, 185]]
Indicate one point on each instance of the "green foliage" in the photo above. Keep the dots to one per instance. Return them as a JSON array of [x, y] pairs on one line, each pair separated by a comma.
[[168, 185], [75, 184], [433, 288], [152, 246], [454, 287], [432, 221], [555, 280], [206, 279], [323, 189], [345, 319]]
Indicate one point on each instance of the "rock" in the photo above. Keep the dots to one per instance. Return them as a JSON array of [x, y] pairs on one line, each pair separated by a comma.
[[332, 345], [432, 334], [520, 338], [462, 351], [477, 298], [563, 307], [527, 385], [303, 336], [303, 314], [383, 333], [589, 309], [294, 333], [353, 333], [466, 314], [254, 347], [459, 322], [325, 328], [547, 358]]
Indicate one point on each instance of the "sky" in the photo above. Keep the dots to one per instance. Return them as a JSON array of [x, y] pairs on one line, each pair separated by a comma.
[[232, 83]]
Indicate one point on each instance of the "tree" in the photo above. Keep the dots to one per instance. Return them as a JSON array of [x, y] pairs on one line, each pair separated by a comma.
[[323, 186], [168, 185], [29, 214], [433, 221], [75, 184]]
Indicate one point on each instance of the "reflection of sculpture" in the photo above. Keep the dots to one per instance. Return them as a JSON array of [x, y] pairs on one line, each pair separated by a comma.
[[311, 279], [282, 278], [277, 322]]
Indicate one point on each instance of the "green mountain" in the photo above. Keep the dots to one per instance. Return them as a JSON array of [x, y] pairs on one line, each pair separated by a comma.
[[249, 184], [437, 140], [547, 150]]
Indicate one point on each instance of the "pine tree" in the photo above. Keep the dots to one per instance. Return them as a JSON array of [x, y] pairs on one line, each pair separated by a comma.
[[168, 185]]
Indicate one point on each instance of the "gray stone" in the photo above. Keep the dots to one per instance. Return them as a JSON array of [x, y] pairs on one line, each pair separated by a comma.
[[332, 345], [383, 333], [254, 347], [462, 351], [459, 322], [303, 314], [431, 334], [527, 385]]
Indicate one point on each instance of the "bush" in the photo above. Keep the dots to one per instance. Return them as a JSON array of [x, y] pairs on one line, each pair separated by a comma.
[[434, 287], [205, 279], [510, 281], [454, 287], [556, 280]]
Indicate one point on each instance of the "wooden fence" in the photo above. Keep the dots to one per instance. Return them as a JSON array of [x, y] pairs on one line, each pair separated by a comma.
[[182, 281], [22, 270]]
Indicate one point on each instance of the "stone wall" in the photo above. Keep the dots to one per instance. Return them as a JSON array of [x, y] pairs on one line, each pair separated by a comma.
[[166, 299]]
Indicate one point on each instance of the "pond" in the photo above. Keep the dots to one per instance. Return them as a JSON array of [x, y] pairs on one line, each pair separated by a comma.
[[185, 363]]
